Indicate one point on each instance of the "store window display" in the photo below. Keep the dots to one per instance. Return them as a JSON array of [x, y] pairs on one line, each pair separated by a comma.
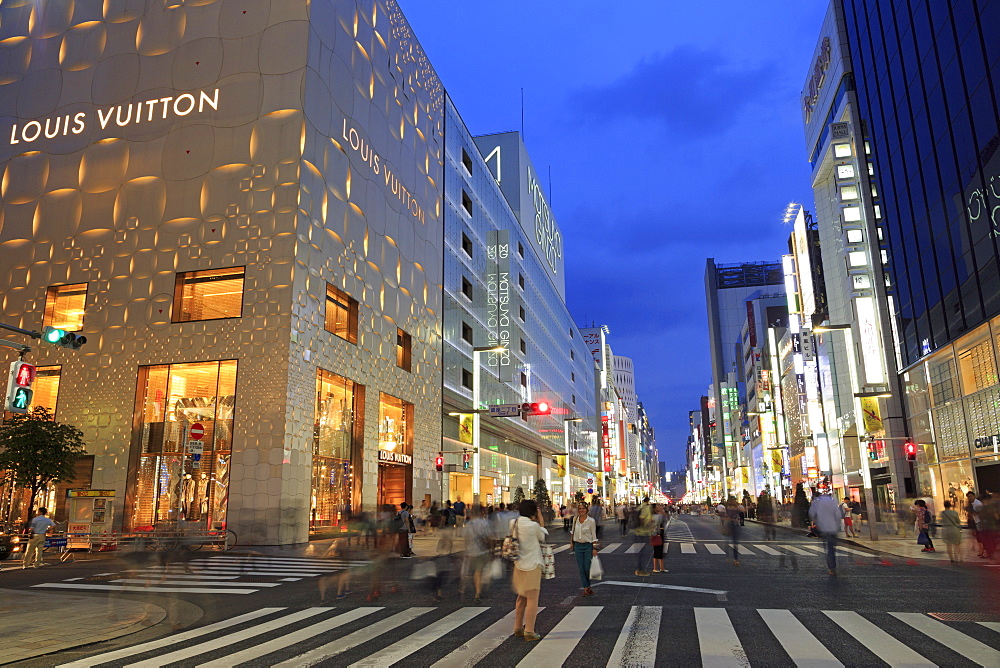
[[170, 483], [395, 450], [338, 402]]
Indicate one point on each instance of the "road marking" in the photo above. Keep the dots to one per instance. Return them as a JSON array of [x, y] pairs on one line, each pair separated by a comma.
[[352, 640], [611, 547], [795, 550], [561, 548], [688, 548], [232, 638], [803, 647], [767, 550], [875, 640], [951, 638], [190, 584], [698, 590], [815, 548], [417, 641], [556, 645], [143, 590], [290, 639], [169, 640], [634, 547], [717, 639], [991, 625], [476, 649], [745, 548], [179, 576], [264, 574], [636, 646], [290, 579], [714, 549]]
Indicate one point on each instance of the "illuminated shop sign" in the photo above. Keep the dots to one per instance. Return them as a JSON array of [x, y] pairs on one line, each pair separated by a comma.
[[121, 115], [871, 349], [353, 137], [547, 233], [394, 457], [817, 78], [499, 325]]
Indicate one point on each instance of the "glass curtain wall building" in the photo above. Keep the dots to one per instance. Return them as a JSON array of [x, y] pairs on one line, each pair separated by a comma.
[[928, 77]]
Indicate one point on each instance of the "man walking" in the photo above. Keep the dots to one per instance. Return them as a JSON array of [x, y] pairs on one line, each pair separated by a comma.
[[39, 527], [642, 531], [596, 511], [459, 508], [827, 515], [620, 513]]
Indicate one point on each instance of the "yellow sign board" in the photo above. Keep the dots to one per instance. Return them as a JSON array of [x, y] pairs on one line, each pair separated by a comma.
[[872, 415], [465, 428]]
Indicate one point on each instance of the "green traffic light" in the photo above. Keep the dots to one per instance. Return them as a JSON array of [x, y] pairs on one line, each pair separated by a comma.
[[53, 335]]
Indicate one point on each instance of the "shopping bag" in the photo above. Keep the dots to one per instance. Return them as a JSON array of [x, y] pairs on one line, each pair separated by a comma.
[[596, 572], [423, 570], [548, 562], [923, 538], [496, 569], [510, 550]]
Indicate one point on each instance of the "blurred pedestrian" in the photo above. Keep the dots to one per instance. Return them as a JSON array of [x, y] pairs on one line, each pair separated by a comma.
[[567, 517], [845, 508], [800, 507], [38, 527], [584, 545], [657, 539], [922, 525], [766, 513], [621, 513], [951, 532], [642, 530], [731, 526], [478, 549], [529, 530], [596, 512], [459, 509], [827, 515]]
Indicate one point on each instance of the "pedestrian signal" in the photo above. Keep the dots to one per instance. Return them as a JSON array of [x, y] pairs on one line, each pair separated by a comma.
[[465, 460], [439, 463], [910, 448], [19, 392]]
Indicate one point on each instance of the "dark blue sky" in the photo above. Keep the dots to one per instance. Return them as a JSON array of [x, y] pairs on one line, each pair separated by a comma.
[[674, 134]]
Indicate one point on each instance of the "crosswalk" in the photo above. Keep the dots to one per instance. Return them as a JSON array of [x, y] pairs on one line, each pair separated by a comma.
[[721, 548], [633, 636], [221, 574]]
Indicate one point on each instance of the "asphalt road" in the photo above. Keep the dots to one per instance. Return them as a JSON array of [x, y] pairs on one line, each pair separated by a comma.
[[779, 607]]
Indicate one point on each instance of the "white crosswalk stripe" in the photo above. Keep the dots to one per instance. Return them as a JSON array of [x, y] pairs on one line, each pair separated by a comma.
[[209, 575], [561, 548], [720, 548], [632, 549], [714, 549], [609, 548], [455, 638], [767, 549], [688, 548]]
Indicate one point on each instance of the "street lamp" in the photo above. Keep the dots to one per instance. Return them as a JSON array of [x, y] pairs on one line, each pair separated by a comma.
[[566, 483], [477, 351]]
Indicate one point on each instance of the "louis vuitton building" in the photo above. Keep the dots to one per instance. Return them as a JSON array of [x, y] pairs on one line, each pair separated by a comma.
[[239, 203]]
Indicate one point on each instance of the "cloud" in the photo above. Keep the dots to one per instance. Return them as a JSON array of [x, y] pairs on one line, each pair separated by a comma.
[[693, 92]]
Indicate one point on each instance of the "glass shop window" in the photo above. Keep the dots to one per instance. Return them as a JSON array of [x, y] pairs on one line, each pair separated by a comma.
[[341, 314], [209, 294], [64, 306]]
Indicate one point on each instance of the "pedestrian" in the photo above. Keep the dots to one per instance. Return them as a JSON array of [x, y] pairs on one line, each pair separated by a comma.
[[856, 515], [529, 530], [401, 525], [448, 515], [596, 512], [827, 516], [459, 509], [478, 549], [972, 508], [567, 517], [765, 511], [642, 521], [800, 507], [731, 526], [38, 527], [903, 519], [622, 517], [657, 539], [951, 532], [845, 508], [922, 525], [433, 517], [584, 545], [990, 523]]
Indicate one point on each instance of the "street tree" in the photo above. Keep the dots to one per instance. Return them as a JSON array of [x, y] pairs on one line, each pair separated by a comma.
[[36, 451], [518, 496], [541, 494]]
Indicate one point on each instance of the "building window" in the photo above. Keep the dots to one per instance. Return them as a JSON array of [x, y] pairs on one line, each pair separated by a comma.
[[466, 244], [467, 202], [572, 377], [467, 288], [336, 440], [852, 214], [64, 306], [849, 192], [520, 280], [574, 398], [572, 355], [845, 171], [209, 294], [466, 379], [524, 379], [857, 259], [524, 347], [467, 161], [520, 249], [842, 150], [404, 345], [521, 313], [855, 236], [169, 483], [467, 333], [341, 314]]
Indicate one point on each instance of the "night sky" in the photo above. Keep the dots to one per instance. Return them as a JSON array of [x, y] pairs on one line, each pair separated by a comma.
[[673, 131]]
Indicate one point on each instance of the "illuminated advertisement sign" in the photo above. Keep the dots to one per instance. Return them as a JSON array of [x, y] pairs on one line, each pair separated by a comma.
[[500, 301], [871, 350]]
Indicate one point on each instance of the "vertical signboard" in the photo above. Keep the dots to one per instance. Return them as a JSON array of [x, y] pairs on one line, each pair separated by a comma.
[[871, 349], [501, 301]]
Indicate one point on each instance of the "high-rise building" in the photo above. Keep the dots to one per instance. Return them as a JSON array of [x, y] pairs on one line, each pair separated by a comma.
[[927, 79]]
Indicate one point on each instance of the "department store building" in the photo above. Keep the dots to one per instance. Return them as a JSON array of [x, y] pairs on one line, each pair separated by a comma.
[[239, 204]]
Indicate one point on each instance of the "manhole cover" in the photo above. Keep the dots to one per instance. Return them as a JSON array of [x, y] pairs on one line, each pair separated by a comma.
[[965, 616]]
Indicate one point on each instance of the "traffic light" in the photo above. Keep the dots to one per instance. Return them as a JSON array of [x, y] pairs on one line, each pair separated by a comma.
[[439, 462], [465, 460], [910, 448], [19, 391], [60, 337], [536, 408]]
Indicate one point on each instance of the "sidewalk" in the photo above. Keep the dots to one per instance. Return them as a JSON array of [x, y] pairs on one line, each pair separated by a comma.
[[897, 545], [34, 624]]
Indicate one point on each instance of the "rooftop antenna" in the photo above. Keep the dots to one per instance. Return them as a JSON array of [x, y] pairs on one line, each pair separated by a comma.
[[550, 185], [522, 114]]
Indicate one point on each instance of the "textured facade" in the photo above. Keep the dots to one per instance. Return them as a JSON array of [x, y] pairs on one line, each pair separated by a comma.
[[300, 141]]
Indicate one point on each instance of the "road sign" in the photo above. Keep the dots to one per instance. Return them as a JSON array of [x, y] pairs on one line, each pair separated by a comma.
[[590, 482], [590, 490], [196, 465], [195, 447], [196, 458], [196, 431], [505, 410]]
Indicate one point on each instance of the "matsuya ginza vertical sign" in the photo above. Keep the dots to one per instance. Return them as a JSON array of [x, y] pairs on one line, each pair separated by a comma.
[[501, 301]]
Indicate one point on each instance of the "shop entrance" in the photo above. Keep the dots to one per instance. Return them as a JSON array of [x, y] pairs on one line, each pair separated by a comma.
[[395, 485], [988, 478]]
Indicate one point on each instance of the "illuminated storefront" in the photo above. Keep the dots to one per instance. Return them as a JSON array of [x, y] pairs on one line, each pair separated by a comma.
[[336, 449]]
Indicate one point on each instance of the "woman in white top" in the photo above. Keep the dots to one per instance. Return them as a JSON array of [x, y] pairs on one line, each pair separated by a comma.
[[584, 545], [529, 529]]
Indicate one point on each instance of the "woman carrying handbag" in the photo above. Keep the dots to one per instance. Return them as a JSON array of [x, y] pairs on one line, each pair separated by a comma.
[[584, 545], [656, 540], [528, 530], [923, 525]]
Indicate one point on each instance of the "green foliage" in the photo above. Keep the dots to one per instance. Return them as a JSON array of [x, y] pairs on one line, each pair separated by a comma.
[[37, 451], [518, 496], [579, 496], [544, 501]]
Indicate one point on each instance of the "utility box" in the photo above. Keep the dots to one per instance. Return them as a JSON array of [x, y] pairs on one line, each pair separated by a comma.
[[91, 513]]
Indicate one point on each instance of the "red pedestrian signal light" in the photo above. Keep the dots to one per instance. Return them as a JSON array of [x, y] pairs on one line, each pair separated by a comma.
[[19, 392], [439, 463], [911, 451], [536, 408], [465, 460]]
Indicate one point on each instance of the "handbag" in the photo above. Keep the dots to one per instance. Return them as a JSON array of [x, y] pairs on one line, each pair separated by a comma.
[[596, 572], [656, 540], [923, 538], [511, 548], [548, 561]]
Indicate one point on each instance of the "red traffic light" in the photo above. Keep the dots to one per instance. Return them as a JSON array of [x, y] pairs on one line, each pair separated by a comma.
[[911, 451], [536, 408], [439, 463]]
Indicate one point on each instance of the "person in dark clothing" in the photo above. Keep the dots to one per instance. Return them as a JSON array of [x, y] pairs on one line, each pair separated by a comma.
[[800, 507]]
